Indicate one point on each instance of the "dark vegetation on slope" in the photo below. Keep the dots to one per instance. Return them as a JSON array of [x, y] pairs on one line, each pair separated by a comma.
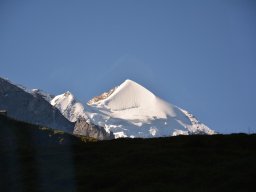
[[32, 160]]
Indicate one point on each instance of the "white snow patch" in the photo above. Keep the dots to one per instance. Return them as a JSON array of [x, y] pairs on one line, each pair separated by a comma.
[[179, 132], [153, 131], [120, 135], [133, 111], [69, 106]]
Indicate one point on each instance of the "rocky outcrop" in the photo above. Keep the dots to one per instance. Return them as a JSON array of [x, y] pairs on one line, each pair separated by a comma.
[[101, 97], [91, 130]]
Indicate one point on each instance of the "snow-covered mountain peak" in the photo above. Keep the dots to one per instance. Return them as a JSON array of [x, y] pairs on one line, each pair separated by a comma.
[[67, 97], [127, 86], [68, 94], [131, 82], [69, 106], [131, 110], [132, 101], [127, 96]]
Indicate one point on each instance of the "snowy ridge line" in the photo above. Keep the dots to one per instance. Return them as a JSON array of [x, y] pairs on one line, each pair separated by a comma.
[[128, 110], [48, 97], [17, 85], [71, 108]]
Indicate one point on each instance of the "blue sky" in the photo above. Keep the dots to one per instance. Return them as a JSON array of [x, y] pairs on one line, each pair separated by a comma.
[[199, 55]]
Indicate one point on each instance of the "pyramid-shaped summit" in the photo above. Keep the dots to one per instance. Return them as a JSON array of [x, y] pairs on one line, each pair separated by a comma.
[[129, 95], [130, 110]]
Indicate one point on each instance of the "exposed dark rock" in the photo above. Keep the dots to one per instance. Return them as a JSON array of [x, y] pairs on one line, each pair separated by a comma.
[[91, 130]]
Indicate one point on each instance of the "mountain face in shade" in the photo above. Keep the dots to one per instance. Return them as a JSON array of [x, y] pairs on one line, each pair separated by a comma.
[[130, 110], [46, 96], [31, 107]]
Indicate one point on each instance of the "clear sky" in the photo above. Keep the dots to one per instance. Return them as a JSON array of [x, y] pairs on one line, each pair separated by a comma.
[[199, 55]]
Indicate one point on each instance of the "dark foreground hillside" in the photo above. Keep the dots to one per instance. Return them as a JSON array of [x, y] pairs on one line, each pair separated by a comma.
[[36, 159]]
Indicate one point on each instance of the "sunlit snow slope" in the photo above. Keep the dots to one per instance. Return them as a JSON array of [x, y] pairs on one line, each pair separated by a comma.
[[133, 111], [69, 106]]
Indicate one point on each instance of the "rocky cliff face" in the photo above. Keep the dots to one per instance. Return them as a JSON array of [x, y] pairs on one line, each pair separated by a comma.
[[33, 106], [91, 130], [30, 107]]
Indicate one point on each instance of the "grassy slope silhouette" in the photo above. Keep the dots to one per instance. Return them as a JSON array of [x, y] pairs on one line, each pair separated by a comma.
[[33, 158]]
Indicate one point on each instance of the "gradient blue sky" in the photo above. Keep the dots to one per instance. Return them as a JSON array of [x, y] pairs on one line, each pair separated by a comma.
[[199, 55]]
